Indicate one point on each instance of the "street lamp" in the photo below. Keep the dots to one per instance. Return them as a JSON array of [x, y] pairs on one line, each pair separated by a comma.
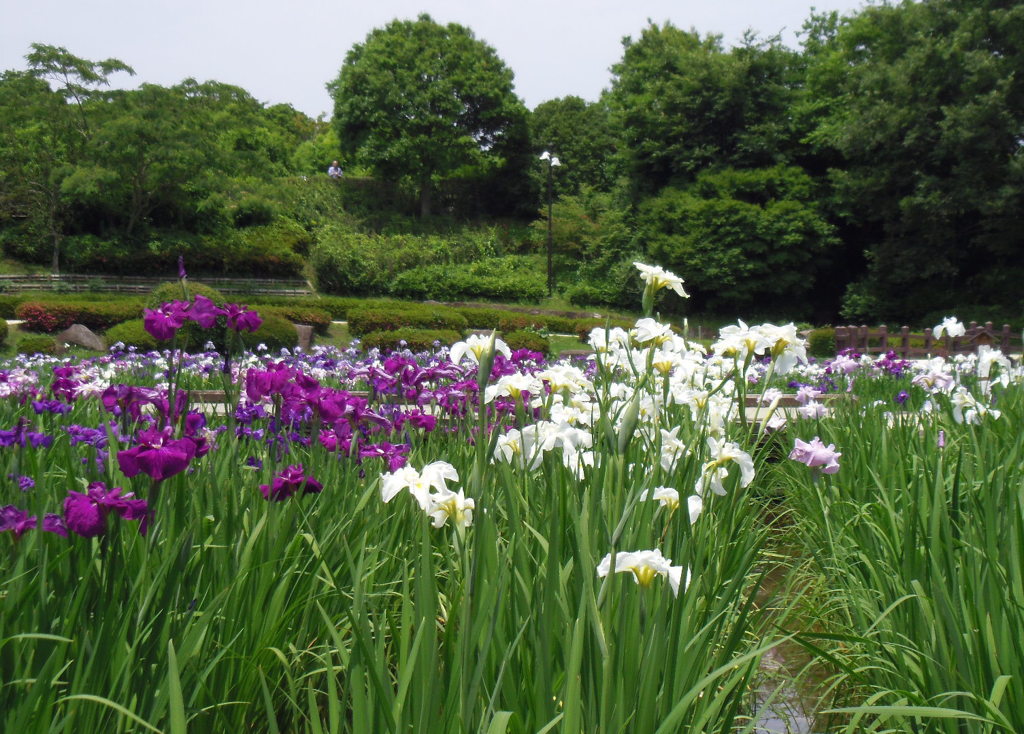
[[552, 162]]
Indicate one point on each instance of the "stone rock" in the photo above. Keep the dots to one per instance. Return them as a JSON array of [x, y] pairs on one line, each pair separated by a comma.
[[305, 335], [83, 337]]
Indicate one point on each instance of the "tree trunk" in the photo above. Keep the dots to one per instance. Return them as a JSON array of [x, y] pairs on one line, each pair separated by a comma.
[[425, 199]]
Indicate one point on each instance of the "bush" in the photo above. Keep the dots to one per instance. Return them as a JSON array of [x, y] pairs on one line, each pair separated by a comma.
[[822, 343], [276, 333], [417, 340], [318, 318], [523, 339], [171, 291], [9, 304], [37, 344], [388, 318], [131, 334], [353, 263], [512, 278], [4, 331], [56, 315]]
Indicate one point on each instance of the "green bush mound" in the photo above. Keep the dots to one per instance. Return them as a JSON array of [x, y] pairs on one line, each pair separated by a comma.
[[9, 304], [131, 334], [318, 318], [407, 315], [822, 342], [37, 344], [416, 340], [523, 339], [276, 332], [512, 278], [171, 291], [481, 317], [49, 316]]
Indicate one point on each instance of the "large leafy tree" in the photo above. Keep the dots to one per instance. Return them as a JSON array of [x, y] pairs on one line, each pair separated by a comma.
[[924, 107], [580, 134], [682, 103], [419, 103], [45, 126]]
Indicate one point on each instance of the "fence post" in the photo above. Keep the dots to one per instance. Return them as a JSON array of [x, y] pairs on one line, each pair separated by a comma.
[[904, 341], [883, 338]]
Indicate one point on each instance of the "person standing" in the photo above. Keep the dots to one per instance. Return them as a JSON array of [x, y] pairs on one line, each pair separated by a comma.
[[334, 171]]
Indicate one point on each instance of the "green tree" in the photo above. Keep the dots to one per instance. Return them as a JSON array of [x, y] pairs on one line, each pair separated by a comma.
[[924, 107], [682, 103], [419, 102], [43, 138], [741, 238], [580, 134]]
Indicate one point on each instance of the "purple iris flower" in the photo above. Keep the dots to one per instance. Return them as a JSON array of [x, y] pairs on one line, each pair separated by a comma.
[[182, 275], [902, 396], [288, 482], [163, 323], [241, 318], [157, 455], [204, 311], [19, 522], [86, 514]]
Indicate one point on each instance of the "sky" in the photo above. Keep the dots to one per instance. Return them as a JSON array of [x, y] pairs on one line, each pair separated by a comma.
[[287, 50]]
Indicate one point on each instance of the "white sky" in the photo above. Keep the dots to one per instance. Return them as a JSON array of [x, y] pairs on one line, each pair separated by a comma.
[[287, 50]]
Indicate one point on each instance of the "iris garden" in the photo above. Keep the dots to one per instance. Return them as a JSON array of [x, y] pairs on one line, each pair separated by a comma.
[[480, 539]]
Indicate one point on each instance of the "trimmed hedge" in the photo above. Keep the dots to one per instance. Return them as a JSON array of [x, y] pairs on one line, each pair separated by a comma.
[[318, 318], [131, 334], [388, 318], [822, 343], [510, 278], [531, 340], [510, 320], [49, 316], [37, 344], [417, 340], [171, 291], [9, 304]]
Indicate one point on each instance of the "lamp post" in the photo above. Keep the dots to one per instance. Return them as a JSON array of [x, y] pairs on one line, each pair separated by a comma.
[[552, 162]]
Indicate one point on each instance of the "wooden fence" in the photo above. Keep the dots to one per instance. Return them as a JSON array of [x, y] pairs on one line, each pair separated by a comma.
[[142, 284], [921, 344]]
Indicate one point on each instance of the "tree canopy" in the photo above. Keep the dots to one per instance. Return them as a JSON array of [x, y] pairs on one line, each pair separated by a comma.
[[421, 102]]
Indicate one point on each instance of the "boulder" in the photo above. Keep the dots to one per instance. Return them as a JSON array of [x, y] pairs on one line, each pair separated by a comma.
[[83, 337]]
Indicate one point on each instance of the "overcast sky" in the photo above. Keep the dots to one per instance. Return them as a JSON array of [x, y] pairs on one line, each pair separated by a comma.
[[287, 50]]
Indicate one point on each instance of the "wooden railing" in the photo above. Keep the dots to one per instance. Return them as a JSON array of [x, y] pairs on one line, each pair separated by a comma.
[[142, 284], [920, 344]]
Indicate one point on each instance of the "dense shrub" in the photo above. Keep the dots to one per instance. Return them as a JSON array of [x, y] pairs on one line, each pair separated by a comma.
[[822, 343], [171, 291], [417, 340], [131, 334], [388, 318], [37, 344], [318, 318], [353, 263], [55, 315], [272, 250], [523, 339], [275, 333], [513, 278], [9, 304]]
